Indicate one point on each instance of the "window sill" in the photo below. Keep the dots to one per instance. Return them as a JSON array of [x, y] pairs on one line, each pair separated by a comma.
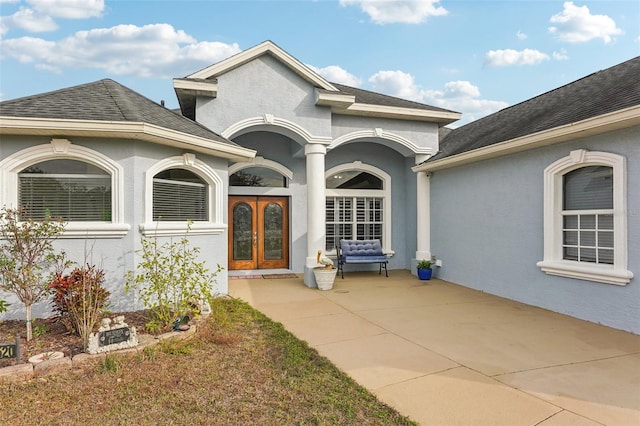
[[95, 230], [598, 273], [167, 229]]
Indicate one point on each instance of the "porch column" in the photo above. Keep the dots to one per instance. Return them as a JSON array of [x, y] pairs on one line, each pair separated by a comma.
[[423, 219], [315, 154]]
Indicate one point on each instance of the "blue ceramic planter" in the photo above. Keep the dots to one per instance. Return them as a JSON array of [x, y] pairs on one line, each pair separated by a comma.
[[425, 274]]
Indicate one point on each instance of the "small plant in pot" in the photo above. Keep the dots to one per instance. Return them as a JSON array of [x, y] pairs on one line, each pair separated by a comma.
[[424, 270]]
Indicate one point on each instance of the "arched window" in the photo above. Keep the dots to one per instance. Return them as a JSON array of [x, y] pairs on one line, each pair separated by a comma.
[[585, 228], [179, 194], [258, 177], [183, 194], [62, 179], [357, 205]]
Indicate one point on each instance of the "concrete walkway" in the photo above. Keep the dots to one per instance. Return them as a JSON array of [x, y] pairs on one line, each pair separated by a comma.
[[443, 354]]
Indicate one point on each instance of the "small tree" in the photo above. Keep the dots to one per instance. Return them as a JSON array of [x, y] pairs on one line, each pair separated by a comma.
[[28, 260], [169, 279]]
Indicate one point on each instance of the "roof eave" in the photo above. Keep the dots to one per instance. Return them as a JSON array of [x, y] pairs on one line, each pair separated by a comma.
[[441, 117], [128, 130], [250, 54], [621, 119]]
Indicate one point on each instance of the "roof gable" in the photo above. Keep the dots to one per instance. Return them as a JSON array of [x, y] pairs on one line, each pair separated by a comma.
[[598, 94]]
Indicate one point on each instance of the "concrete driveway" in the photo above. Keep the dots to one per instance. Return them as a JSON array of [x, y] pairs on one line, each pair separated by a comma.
[[444, 354]]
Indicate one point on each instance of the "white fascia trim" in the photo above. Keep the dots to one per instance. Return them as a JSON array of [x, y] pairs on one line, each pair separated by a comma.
[[400, 113], [256, 51], [380, 133], [592, 126], [339, 100], [268, 120], [262, 162], [596, 273], [197, 87], [122, 129]]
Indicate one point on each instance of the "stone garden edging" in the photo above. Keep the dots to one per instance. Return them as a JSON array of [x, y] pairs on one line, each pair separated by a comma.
[[28, 371]]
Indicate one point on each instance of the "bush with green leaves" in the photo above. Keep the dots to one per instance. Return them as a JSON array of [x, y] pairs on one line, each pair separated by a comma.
[[79, 299], [170, 280], [4, 305], [28, 259]]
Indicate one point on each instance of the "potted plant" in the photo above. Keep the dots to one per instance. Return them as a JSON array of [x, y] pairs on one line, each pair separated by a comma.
[[325, 274], [424, 269]]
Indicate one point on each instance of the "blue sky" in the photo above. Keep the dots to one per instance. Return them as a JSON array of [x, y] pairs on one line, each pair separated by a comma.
[[474, 57]]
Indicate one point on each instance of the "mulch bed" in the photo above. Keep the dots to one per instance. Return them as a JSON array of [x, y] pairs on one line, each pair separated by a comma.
[[51, 335]]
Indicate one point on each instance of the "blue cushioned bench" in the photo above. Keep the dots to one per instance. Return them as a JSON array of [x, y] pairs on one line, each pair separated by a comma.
[[361, 251]]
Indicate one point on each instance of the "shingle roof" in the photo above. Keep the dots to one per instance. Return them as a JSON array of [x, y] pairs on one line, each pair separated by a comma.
[[602, 92], [373, 98], [104, 100]]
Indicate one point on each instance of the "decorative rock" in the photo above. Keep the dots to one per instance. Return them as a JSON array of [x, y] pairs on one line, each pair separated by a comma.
[[116, 331], [52, 366], [45, 356], [16, 373]]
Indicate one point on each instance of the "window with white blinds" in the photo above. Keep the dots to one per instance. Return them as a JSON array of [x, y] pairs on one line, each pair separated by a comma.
[[587, 231], [72, 190], [179, 195], [353, 218]]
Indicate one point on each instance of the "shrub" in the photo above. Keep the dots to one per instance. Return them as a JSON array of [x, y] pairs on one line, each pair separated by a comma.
[[28, 260], [80, 299], [3, 306], [169, 279]]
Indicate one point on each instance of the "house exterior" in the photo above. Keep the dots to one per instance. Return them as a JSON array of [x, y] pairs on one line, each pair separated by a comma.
[[539, 202], [272, 163], [263, 151]]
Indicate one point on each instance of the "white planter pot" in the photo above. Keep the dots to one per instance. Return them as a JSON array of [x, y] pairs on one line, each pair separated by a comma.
[[325, 277]]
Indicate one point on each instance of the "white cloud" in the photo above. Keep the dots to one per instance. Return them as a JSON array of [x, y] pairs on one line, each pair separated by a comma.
[[576, 24], [508, 57], [69, 9], [336, 74], [28, 20], [156, 50], [40, 16], [398, 11], [461, 96], [561, 55], [521, 36]]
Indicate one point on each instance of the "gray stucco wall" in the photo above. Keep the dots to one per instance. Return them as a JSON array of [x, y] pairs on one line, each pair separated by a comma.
[[117, 255], [487, 227]]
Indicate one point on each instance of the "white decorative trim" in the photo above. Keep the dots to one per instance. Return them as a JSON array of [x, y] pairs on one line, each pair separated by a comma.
[[187, 161], [269, 122], [248, 55], [384, 193], [401, 113], [64, 149], [553, 262], [409, 147], [262, 162], [592, 126]]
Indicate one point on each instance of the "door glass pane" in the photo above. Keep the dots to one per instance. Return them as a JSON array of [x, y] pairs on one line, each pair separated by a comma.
[[272, 232], [242, 229]]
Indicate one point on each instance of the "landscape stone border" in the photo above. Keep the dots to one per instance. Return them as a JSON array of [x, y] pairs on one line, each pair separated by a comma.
[[28, 371]]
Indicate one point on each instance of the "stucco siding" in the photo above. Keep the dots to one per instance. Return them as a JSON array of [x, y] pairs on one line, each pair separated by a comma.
[[117, 255], [264, 86], [487, 228]]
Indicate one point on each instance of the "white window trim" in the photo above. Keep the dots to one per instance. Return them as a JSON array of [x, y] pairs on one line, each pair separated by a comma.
[[384, 193], [215, 225], [63, 149], [553, 262]]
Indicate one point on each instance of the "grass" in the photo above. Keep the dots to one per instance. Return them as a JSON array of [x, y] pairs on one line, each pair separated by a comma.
[[240, 368]]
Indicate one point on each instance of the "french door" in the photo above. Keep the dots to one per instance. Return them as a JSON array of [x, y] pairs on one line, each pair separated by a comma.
[[258, 232]]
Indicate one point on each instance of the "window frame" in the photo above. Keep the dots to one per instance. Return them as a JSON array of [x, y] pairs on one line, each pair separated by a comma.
[[553, 262], [215, 200], [63, 149], [384, 194]]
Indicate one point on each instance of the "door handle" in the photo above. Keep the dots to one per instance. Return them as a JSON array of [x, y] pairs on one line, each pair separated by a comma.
[[255, 239]]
